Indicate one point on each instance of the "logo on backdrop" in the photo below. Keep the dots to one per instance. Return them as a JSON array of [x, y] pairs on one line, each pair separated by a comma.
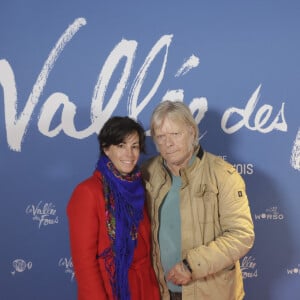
[[242, 168], [67, 265], [20, 265], [43, 214], [271, 214], [295, 157], [294, 271], [248, 267], [260, 119]]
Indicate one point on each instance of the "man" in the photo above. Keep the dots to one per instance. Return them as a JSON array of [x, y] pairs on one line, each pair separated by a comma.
[[201, 221]]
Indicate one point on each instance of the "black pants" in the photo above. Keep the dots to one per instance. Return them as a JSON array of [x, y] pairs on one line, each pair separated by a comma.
[[175, 295]]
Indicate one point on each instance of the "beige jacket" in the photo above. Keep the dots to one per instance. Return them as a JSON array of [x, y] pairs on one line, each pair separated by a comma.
[[216, 225]]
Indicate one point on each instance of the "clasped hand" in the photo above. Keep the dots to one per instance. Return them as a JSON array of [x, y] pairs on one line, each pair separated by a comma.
[[179, 275]]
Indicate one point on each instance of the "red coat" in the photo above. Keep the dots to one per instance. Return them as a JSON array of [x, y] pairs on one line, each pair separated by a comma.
[[88, 236]]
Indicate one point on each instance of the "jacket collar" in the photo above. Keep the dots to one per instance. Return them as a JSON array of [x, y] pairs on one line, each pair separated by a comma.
[[200, 153], [184, 171]]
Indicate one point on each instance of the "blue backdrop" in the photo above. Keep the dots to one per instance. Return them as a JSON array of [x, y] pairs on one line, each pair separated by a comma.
[[67, 66]]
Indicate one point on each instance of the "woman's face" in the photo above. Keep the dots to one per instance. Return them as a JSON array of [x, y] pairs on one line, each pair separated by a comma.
[[125, 155], [175, 142]]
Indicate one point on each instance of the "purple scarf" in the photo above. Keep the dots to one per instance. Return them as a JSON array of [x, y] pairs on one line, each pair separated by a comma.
[[124, 202]]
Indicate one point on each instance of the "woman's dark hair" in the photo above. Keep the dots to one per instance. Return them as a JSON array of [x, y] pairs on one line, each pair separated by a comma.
[[116, 129]]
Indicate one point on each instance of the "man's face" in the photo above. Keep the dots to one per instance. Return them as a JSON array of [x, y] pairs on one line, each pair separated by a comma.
[[174, 141]]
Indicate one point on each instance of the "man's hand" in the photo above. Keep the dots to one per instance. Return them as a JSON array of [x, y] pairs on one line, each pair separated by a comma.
[[179, 275]]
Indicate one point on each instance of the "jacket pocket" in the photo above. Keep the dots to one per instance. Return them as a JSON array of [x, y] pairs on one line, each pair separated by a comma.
[[207, 212], [218, 286]]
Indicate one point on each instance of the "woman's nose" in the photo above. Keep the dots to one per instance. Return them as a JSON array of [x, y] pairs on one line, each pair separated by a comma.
[[129, 151]]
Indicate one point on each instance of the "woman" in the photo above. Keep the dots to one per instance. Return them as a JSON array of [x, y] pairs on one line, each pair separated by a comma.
[[109, 226]]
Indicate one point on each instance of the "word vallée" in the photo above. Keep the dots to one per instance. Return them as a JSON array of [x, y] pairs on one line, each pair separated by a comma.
[[16, 125]]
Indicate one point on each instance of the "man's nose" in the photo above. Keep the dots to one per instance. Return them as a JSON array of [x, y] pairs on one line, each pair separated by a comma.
[[169, 139]]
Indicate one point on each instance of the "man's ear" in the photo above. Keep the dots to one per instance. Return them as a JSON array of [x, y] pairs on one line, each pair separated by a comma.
[[192, 131]]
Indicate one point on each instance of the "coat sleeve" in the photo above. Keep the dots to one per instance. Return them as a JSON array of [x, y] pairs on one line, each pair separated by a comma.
[[237, 232], [84, 232]]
